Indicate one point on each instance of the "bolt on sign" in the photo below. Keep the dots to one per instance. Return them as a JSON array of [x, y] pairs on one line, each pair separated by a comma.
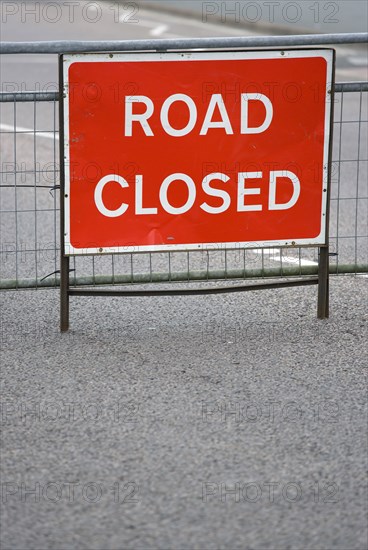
[[177, 151]]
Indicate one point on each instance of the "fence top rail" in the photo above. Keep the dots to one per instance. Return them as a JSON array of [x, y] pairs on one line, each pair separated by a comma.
[[67, 46]]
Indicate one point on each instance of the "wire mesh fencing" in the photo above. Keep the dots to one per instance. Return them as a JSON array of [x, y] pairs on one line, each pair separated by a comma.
[[29, 209]]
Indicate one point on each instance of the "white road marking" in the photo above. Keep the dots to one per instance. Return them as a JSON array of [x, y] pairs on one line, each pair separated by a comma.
[[28, 131], [159, 30], [156, 29], [358, 61], [192, 22], [142, 22], [274, 254]]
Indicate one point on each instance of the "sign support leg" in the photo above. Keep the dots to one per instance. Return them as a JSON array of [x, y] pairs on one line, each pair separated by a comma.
[[64, 293], [323, 283]]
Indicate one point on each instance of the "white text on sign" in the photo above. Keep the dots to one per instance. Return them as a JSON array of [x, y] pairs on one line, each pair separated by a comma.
[[134, 119], [242, 192], [216, 103]]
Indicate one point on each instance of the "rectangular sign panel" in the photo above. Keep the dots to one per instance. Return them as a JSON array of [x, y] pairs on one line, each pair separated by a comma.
[[178, 151]]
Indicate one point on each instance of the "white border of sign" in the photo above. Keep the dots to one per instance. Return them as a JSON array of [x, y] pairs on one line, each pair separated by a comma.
[[69, 59]]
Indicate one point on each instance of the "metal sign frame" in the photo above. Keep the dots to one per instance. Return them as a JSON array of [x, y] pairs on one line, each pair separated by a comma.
[[322, 279], [190, 59]]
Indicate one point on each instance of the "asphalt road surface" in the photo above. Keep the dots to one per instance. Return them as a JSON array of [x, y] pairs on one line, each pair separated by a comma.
[[234, 421]]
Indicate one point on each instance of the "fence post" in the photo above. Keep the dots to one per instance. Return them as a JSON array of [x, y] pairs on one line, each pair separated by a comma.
[[64, 260], [324, 251], [64, 293], [323, 283]]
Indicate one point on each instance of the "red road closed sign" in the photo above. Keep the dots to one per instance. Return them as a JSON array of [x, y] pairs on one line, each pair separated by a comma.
[[179, 151]]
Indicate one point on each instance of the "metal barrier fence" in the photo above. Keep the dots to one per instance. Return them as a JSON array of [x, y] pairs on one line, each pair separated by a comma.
[[29, 197]]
